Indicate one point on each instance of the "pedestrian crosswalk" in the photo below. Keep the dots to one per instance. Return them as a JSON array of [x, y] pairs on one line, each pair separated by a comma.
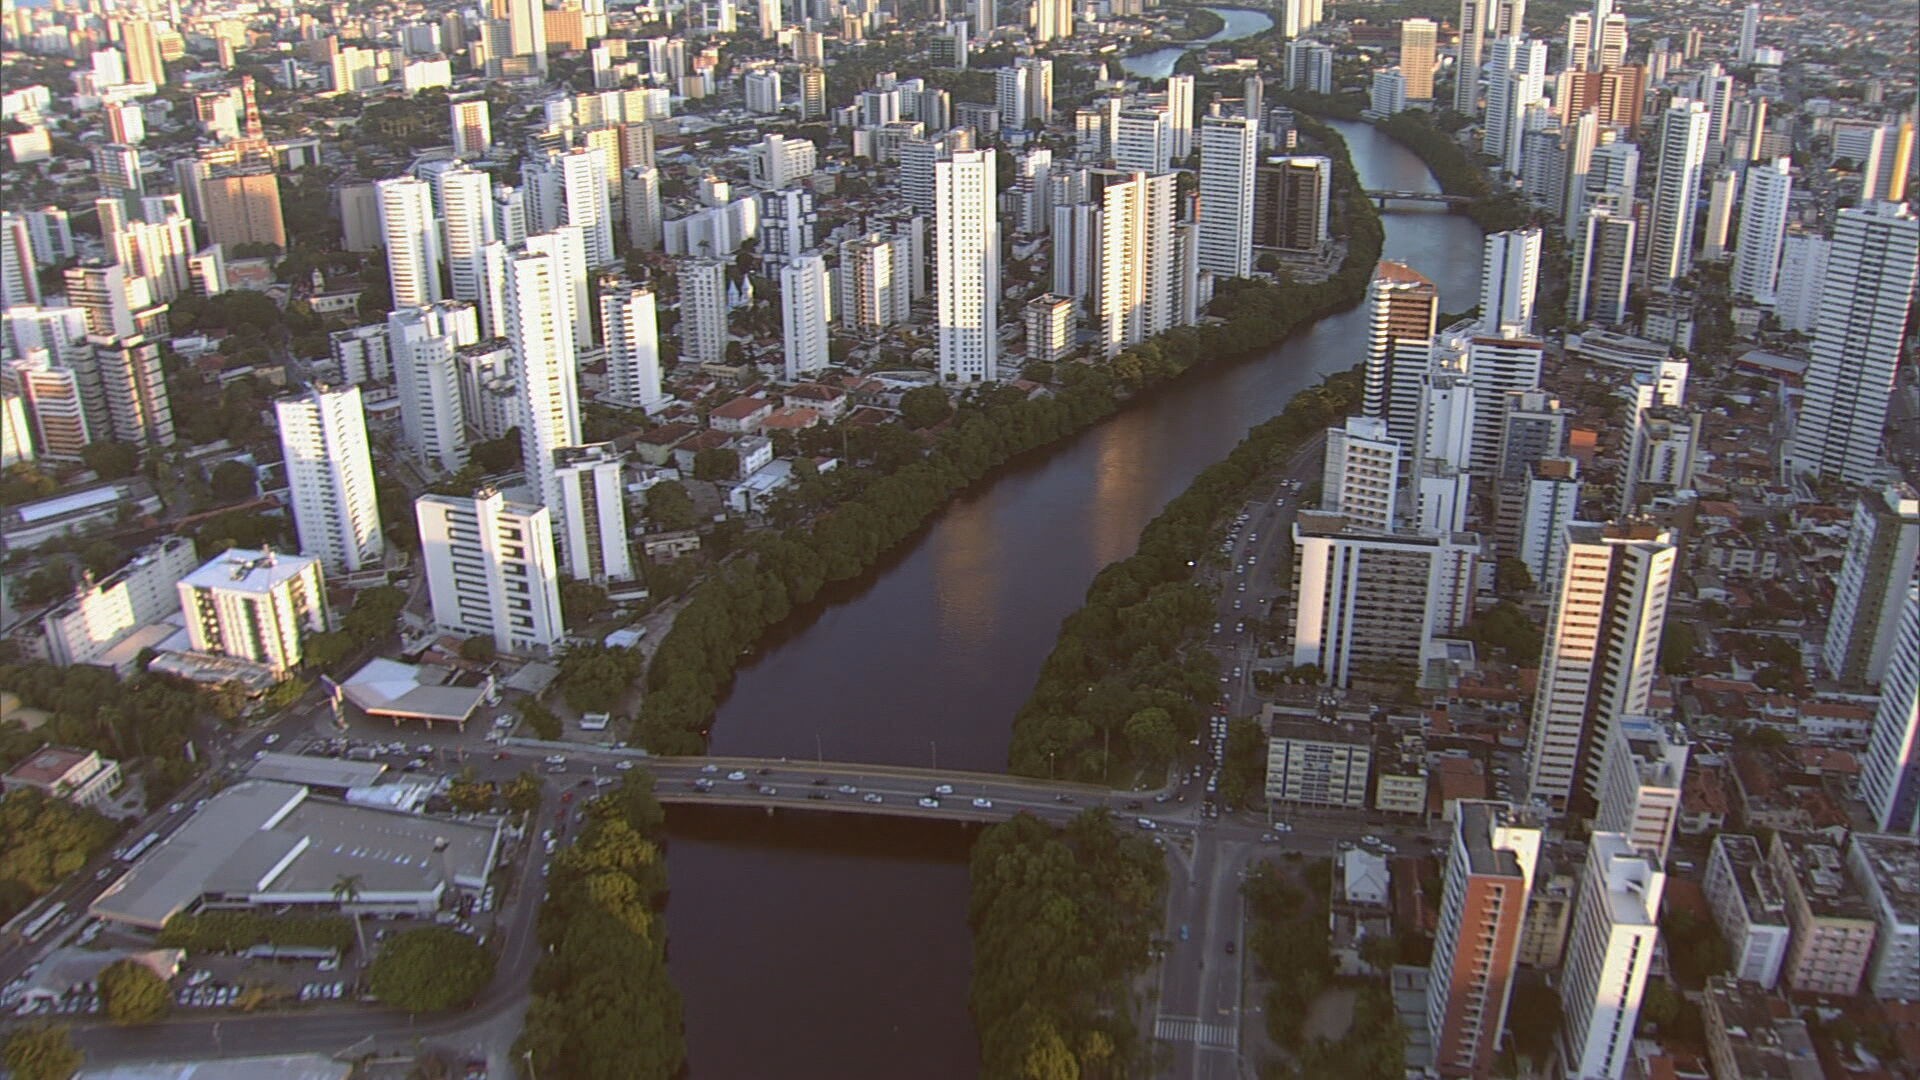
[[1188, 1029]]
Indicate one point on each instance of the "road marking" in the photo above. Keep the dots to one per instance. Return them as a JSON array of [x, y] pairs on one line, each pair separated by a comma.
[[1192, 1030]]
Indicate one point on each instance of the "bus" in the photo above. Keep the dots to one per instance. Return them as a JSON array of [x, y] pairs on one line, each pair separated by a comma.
[[43, 920], [139, 848]]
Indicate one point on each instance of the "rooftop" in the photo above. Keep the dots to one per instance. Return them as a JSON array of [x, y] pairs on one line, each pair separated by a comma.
[[1767, 1043], [1476, 824], [1823, 877], [315, 771], [280, 1066], [48, 765], [248, 570], [1894, 862], [1759, 890]]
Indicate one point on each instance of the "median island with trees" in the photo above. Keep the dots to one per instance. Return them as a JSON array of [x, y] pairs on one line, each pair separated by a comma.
[[728, 613]]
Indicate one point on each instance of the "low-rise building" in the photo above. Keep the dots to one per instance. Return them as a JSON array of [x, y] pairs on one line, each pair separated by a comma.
[[1749, 907], [81, 777], [1887, 869], [1400, 775], [102, 615], [1833, 926], [741, 416], [1753, 1034], [1316, 762]]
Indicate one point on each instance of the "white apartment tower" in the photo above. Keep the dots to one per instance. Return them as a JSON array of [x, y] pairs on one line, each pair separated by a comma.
[[1509, 282], [593, 511], [466, 205], [703, 310], [1180, 115], [1603, 265], [1676, 191], [1609, 953], [967, 267], [875, 289], [1599, 660], [1763, 231], [1402, 309], [490, 569], [256, 606], [1864, 298], [336, 512], [1361, 476], [1366, 597], [1641, 790], [573, 189], [540, 328], [1890, 780], [1883, 552], [806, 303], [412, 236], [630, 330], [422, 343], [1228, 151], [472, 128], [1136, 260]]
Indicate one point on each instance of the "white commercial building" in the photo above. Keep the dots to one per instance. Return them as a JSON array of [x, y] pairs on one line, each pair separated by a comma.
[[1609, 954], [630, 331], [593, 511], [255, 606], [806, 303], [1598, 663], [1228, 152], [1365, 597], [490, 569], [336, 513], [411, 233], [967, 267], [1864, 298]]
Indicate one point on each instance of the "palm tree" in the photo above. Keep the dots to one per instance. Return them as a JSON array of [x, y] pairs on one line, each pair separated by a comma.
[[346, 890]]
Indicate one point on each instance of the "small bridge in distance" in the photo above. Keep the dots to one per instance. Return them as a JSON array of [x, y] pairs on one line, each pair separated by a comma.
[[1384, 197]]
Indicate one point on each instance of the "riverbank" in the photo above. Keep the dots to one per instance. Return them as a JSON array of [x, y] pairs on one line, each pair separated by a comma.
[[732, 611]]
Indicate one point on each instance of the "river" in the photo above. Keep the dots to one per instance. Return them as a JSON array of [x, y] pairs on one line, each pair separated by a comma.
[[838, 947], [1240, 23]]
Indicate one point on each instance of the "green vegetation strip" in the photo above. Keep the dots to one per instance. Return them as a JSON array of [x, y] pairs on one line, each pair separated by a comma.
[[235, 931], [603, 1005], [1062, 923], [729, 613]]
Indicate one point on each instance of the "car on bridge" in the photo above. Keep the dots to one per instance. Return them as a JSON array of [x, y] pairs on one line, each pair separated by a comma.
[[943, 789], [928, 802], [873, 797], [847, 789], [736, 775], [983, 804]]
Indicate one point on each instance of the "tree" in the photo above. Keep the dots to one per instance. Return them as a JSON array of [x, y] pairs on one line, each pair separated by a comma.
[[42, 1052], [523, 793], [1679, 645], [497, 455], [346, 893], [925, 406], [112, 460], [1152, 737], [479, 649], [133, 994], [716, 463], [430, 969], [1512, 578], [582, 602], [545, 725], [469, 794], [670, 506], [232, 481]]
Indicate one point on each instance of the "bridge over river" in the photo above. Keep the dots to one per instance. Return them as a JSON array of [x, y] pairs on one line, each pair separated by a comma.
[[1384, 197]]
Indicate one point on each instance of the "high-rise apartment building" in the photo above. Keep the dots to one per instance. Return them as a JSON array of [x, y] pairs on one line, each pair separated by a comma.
[[422, 348], [1603, 265], [1609, 955], [1887, 871], [1403, 307], [1883, 552], [1640, 789], [1136, 288], [1599, 660], [1509, 282], [1722, 192], [19, 271], [61, 426], [412, 234], [630, 330], [1549, 502], [572, 189], [1293, 200], [640, 188], [1142, 141], [255, 605], [1890, 779], [1365, 597], [472, 125], [1803, 272], [1466, 72], [1864, 298], [240, 204], [967, 267], [1749, 907], [1049, 323], [1763, 230], [1361, 476], [140, 40], [875, 289], [540, 328], [102, 613], [1676, 192], [466, 207], [1489, 872], [806, 303], [136, 388], [1227, 155], [703, 310], [1833, 923], [1180, 115], [1418, 38], [336, 512], [593, 513], [490, 569]]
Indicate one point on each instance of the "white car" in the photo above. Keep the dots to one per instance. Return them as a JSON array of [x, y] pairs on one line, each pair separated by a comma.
[[943, 789], [928, 802], [873, 797], [623, 766], [737, 775], [983, 804], [272, 737], [556, 759], [1146, 824], [847, 789]]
